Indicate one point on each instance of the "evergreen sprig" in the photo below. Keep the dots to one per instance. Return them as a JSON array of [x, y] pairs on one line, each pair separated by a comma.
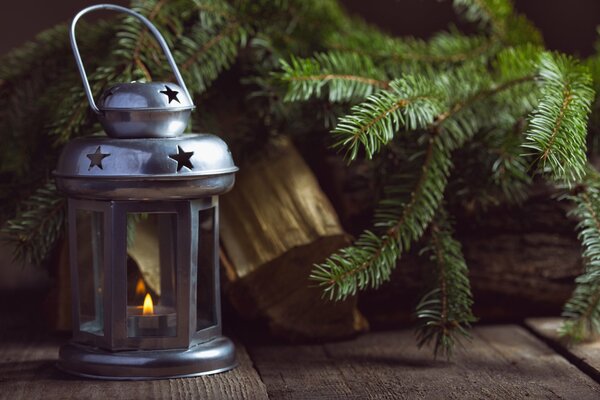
[[411, 103], [557, 128], [38, 225], [582, 311], [341, 76], [403, 215], [444, 313]]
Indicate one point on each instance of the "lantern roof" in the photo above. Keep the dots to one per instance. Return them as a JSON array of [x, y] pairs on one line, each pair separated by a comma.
[[186, 166]]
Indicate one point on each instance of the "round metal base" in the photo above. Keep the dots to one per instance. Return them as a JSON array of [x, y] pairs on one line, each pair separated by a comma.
[[217, 355]]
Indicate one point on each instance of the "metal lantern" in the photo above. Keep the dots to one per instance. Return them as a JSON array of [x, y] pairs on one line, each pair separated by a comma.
[[146, 171]]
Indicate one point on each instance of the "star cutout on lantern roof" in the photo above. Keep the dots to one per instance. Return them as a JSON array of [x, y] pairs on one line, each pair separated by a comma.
[[183, 158], [171, 94], [96, 158]]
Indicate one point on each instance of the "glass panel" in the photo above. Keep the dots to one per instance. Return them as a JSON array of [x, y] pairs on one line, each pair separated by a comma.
[[90, 269], [151, 274], [205, 293]]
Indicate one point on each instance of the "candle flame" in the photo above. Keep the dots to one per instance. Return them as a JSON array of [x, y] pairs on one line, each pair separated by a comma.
[[140, 287], [148, 308]]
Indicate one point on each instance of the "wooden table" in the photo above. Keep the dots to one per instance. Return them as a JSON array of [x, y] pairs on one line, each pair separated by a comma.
[[502, 362]]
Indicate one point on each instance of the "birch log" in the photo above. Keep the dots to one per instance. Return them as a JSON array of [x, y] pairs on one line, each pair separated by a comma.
[[275, 224]]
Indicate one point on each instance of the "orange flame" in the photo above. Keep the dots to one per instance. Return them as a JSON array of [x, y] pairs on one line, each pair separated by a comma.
[[148, 308], [140, 287]]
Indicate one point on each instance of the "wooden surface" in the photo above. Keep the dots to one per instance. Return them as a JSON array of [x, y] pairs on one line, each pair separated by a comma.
[[27, 371], [502, 362], [585, 355]]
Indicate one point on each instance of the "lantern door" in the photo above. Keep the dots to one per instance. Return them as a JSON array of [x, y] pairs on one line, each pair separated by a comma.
[[151, 275]]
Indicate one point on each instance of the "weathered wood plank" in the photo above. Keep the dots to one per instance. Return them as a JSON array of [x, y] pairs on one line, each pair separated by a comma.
[[585, 355], [502, 362], [27, 371]]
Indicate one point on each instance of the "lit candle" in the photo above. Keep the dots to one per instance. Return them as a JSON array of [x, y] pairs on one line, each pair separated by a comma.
[[151, 320]]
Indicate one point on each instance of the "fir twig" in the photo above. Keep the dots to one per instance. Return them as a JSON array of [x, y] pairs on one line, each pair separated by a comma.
[[444, 313], [582, 311], [343, 76], [37, 227], [403, 216], [411, 103], [557, 129]]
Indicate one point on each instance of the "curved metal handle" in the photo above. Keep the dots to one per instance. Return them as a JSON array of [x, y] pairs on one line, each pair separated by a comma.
[[145, 21]]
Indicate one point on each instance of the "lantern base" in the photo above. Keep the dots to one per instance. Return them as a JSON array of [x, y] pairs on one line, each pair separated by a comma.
[[214, 356]]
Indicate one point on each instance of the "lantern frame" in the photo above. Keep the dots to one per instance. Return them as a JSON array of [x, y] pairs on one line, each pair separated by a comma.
[[145, 166], [115, 354]]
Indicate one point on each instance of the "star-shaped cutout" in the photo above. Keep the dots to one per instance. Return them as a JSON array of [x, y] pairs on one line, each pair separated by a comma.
[[171, 94], [182, 158], [96, 158]]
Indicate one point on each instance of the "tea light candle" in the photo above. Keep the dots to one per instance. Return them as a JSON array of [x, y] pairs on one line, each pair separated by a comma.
[[151, 320]]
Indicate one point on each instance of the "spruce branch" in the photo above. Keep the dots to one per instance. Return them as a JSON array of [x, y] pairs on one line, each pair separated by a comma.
[[402, 217], [37, 226], [489, 14], [411, 103], [582, 311], [444, 313], [203, 55], [342, 76], [442, 50], [558, 126]]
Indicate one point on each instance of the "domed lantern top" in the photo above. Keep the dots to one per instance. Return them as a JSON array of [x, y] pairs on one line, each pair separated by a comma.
[[145, 156], [137, 110]]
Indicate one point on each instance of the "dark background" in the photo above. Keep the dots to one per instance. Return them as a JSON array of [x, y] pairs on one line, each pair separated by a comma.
[[569, 26]]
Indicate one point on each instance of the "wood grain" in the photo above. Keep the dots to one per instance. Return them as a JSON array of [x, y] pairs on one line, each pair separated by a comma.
[[502, 362], [27, 371], [276, 223], [278, 204], [585, 355]]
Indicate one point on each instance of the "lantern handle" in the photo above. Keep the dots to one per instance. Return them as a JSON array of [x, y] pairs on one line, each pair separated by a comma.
[[147, 23]]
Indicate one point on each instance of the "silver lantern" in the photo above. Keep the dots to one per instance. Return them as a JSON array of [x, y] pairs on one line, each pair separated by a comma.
[[144, 171]]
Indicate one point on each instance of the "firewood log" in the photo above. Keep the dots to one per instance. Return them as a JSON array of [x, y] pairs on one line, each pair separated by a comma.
[[275, 224]]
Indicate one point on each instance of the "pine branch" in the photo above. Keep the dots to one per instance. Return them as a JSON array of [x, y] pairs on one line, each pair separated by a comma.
[[489, 14], [38, 226], [444, 313], [412, 103], [443, 49], [203, 54], [343, 76], [403, 215], [558, 126], [582, 311]]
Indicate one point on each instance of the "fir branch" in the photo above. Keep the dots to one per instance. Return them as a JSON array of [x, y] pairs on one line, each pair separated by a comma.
[[411, 103], [444, 313], [490, 14], [558, 126], [403, 215], [203, 55], [369, 262], [38, 226], [443, 49], [343, 76], [582, 311]]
